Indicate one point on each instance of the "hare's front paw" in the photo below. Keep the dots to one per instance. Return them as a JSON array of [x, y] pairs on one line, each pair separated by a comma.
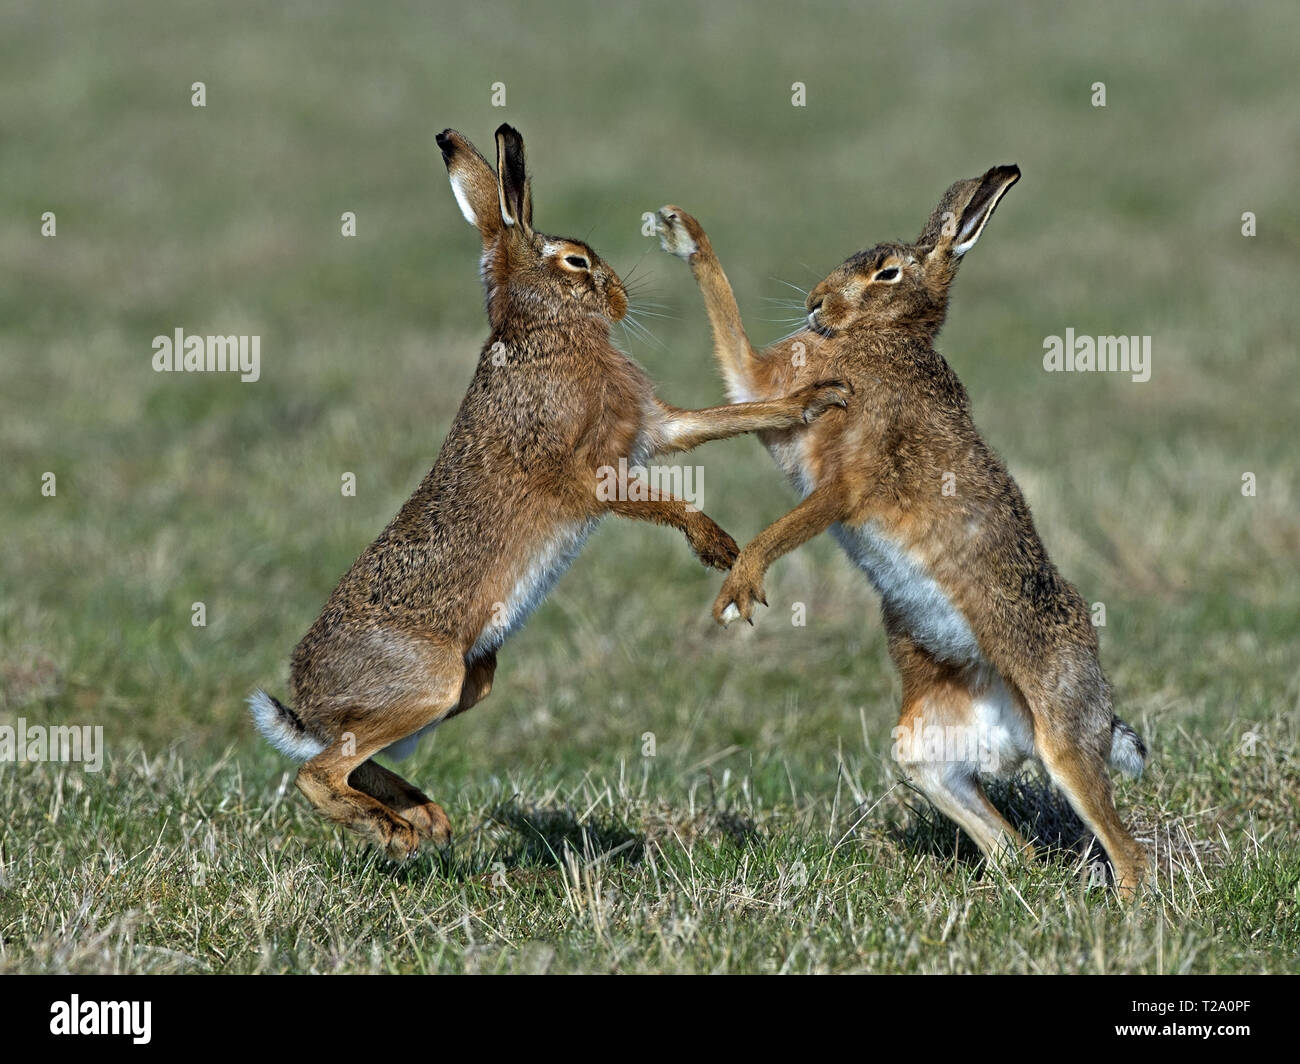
[[679, 233], [742, 588], [816, 399], [712, 545]]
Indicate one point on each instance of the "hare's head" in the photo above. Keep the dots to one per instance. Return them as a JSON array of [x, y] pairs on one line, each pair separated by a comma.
[[526, 273], [906, 285]]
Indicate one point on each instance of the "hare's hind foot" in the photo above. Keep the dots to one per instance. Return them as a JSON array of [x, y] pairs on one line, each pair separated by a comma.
[[350, 789], [404, 799], [325, 786]]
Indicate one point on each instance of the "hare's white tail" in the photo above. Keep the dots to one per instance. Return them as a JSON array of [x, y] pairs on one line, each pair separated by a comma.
[[1128, 752], [281, 727]]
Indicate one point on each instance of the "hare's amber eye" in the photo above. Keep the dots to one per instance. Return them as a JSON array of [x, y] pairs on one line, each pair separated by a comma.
[[890, 274], [577, 261]]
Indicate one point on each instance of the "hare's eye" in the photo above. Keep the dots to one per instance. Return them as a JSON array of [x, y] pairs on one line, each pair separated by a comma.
[[890, 274], [577, 261]]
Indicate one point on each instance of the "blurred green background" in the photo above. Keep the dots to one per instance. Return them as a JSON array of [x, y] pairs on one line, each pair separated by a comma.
[[179, 488]]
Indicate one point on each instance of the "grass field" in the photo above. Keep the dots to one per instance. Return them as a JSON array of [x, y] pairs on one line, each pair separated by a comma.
[[769, 832]]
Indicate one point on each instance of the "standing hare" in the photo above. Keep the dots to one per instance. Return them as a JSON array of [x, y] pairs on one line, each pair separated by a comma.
[[988, 637], [409, 636]]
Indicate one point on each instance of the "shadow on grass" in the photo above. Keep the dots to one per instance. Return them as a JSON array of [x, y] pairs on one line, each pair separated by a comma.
[[1031, 805], [542, 840], [543, 836], [515, 838]]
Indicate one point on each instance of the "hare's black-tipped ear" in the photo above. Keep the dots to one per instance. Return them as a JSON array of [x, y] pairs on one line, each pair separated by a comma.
[[515, 189], [472, 182], [964, 210]]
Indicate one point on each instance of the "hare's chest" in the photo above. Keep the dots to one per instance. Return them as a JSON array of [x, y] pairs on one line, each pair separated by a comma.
[[793, 453], [910, 592]]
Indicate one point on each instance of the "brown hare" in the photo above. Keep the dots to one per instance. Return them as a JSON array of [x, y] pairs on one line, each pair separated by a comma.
[[990, 640], [409, 637]]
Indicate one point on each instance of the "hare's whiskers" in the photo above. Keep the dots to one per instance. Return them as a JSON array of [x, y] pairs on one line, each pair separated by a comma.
[[634, 328], [803, 292], [791, 335], [600, 218]]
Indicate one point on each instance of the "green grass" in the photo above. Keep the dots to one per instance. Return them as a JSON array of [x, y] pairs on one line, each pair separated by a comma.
[[769, 832]]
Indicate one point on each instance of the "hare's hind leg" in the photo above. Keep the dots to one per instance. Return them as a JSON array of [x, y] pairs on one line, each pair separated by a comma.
[[1072, 734], [403, 797], [1084, 779], [941, 743], [424, 695]]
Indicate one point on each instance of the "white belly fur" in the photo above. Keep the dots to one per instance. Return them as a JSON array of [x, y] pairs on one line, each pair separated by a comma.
[[928, 615], [1005, 731], [999, 727], [791, 457], [532, 584]]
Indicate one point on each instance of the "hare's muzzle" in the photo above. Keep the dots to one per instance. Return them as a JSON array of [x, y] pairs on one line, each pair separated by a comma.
[[615, 299], [814, 318]]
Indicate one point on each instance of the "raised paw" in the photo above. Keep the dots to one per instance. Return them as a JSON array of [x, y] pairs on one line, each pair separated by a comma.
[[713, 546], [679, 233], [740, 591], [817, 398]]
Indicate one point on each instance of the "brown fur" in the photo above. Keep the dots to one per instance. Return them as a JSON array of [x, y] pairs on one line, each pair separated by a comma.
[[878, 466], [409, 636]]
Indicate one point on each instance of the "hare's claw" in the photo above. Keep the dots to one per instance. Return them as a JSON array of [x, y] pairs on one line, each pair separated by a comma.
[[820, 397], [742, 588]]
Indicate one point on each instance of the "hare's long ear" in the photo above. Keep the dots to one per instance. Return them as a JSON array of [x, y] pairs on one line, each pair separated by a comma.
[[472, 183], [514, 188], [965, 209]]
